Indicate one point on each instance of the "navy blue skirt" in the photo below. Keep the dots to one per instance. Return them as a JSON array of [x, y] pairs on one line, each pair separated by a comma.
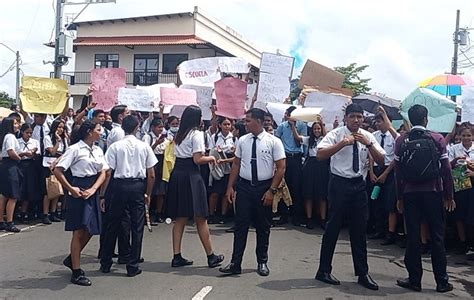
[[10, 184], [81, 213], [315, 179], [31, 181]]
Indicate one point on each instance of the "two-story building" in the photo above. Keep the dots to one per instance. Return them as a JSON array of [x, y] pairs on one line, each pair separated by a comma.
[[151, 47]]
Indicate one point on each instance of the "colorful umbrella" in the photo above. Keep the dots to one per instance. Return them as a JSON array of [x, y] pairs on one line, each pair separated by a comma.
[[446, 85]]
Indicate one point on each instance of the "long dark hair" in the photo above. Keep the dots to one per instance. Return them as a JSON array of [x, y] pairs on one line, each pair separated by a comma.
[[240, 126], [6, 128], [312, 138], [83, 131], [52, 132], [190, 120], [24, 128], [220, 120]]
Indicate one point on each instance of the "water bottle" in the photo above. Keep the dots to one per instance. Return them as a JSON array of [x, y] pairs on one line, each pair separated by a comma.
[[375, 192]]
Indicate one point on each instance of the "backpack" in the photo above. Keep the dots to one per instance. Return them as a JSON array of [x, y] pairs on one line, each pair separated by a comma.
[[420, 157]]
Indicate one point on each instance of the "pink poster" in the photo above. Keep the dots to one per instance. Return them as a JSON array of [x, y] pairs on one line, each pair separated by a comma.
[[176, 96], [105, 85], [231, 94]]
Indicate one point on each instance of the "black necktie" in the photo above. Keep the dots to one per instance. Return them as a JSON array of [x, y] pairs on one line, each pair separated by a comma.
[[355, 157], [41, 139], [382, 142], [253, 161]]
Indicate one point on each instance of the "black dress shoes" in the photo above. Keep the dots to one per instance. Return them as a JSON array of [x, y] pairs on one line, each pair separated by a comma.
[[444, 288], [104, 269], [81, 280], [262, 269], [376, 236], [231, 269], [133, 273], [215, 260], [180, 262], [406, 284], [367, 282], [327, 278]]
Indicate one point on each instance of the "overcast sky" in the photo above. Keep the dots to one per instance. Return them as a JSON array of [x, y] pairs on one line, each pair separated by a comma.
[[402, 41]]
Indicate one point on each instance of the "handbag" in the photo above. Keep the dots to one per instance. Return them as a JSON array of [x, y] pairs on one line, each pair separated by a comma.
[[53, 187], [461, 180]]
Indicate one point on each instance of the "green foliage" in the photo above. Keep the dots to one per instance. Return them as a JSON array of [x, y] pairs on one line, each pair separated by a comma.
[[352, 78], [5, 100]]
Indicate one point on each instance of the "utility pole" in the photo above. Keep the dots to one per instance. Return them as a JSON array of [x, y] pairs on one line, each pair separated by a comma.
[[57, 60], [454, 65], [17, 96]]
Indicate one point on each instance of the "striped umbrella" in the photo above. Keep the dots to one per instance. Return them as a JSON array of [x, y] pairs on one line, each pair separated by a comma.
[[446, 84]]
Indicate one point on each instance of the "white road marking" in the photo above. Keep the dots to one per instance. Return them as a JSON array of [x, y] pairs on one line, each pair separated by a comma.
[[22, 229], [202, 293]]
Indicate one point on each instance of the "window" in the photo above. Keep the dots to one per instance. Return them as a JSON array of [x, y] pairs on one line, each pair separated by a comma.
[[106, 61], [145, 69], [171, 62]]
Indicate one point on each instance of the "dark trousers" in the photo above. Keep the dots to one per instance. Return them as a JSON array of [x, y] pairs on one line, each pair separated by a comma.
[[378, 207], [128, 197], [346, 197], [249, 209], [293, 178], [430, 206]]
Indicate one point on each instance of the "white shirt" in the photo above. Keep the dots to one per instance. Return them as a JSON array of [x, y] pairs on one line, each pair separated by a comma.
[[224, 143], [269, 150], [389, 145], [130, 158], [9, 143], [192, 143], [150, 139], [28, 146], [312, 151], [458, 150], [37, 133], [48, 143], [116, 134], [341, 162], [83, 160], [69, 123]]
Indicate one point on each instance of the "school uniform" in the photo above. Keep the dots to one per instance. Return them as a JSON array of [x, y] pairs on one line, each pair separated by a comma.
[[315, 173], [226, 145], [85, 164], [257, 155], [129, 158], [150, 139], [347, 196], [30, 183], [187, 195], [10, 185], [116, 134], [39, 133]]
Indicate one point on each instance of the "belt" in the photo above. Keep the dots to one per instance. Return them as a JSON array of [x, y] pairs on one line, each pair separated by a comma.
[[293, 154], [261, 182], [130, 179], [355, 179]]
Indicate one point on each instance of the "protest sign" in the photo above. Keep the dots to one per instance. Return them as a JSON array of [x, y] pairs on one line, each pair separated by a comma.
[[43, 95], [175, 96], [278, 110], [202, 71], [317, 75], [273, 88], [136, 99], [233, 65], [155, 89], [105, 85], [177, 110], [306, 114], [277, 64], [467, 114], [332, 106], [251, 89], [204, 99], [441, 111], [230, 97]]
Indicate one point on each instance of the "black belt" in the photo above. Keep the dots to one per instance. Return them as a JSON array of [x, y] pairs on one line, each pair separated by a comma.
[[261, 182], [293, 154], [355, 179], [129, 179]]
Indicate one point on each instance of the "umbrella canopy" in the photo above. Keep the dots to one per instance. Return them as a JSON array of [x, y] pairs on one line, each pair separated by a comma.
[[446, 84], [370, 103]]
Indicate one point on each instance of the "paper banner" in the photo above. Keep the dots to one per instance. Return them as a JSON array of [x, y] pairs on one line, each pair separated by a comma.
[[233, 65], [251, 90], [105, 85], [231, 94], [43, 95], [332, 106], [177, 110], [441, 111], [467, 114], [272, 88], [138, 100], [204, 99], [306, 114], [278, 110], [317, 75], [155, 89], [175, 96], [202, 71], [277, 64]]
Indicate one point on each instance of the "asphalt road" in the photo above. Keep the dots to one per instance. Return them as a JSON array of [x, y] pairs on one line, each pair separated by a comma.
[[31, 268]]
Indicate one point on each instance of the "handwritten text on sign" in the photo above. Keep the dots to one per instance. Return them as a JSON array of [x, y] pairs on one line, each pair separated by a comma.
[[136, 99], [175, 96], [105, 85], [231, 94], [273, 88], [277, 64], [43, 95]]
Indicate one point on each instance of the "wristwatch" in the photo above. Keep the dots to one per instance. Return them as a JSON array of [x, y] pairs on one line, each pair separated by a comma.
[[273, 190]]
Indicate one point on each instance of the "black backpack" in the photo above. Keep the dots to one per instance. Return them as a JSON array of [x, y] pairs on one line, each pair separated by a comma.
[[420, 157]]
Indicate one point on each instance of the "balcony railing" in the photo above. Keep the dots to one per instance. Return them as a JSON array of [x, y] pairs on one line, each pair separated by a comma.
[[132, 78]]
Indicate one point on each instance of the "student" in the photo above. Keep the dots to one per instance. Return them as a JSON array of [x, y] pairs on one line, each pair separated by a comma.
[[10, 185], [98, 116], [118, 113], [132, 162], [30, 182], [173, 126], [424, 189], [87, 164], [349, 148], [40, 131], [186, 197], [256, 180]]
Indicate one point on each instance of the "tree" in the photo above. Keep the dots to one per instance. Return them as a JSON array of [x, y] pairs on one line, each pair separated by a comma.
[[352, 79], [6, 100]]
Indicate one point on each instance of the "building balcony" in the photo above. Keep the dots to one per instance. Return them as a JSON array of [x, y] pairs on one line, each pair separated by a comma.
[[132, 78]]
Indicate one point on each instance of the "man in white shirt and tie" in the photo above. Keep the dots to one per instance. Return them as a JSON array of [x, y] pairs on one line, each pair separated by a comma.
[[257, 180], [349, 148], [118, 113]]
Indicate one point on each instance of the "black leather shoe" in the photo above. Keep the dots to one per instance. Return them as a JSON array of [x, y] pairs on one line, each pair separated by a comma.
[[444, 288], [81, 280], [406, 284], [215, 260], [376, 236], [367, 282], [262, 269], [327, 278], [53, 218], [46, 221], [12, 228], [390, 240], [134, 273], [231, 269], [104, 269], [180, 262], [230, 230], [282, 221]]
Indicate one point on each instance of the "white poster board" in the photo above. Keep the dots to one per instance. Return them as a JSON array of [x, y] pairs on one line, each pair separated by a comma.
[[306, 114], [202, 71], [467, 114], [251, 90], [332, 106], [278, 111], [155, 89], [138, 100], [273, 88], [277, 64], [204, 99], [233, 65]]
